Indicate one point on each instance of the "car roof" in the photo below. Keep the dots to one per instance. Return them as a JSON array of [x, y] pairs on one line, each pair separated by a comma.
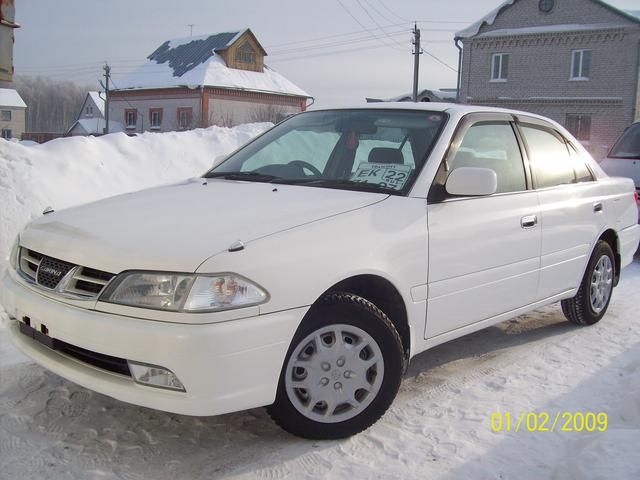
[[453, 109]]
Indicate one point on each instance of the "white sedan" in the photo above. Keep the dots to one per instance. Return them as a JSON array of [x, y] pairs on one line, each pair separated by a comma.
[[309, 267]]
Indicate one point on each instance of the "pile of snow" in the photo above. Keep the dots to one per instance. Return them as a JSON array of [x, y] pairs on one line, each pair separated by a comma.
[[75, 170]]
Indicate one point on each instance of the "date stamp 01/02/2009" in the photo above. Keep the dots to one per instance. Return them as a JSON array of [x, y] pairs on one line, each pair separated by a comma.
[[549, 422]]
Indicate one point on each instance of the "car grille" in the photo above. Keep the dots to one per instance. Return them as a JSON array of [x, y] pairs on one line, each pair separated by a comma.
[[63, 277]]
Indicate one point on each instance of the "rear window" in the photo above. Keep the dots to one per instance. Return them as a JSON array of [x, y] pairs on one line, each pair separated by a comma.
[[628, 145]]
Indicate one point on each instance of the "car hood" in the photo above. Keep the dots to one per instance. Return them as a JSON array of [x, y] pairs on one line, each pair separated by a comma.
[[623, 167], [177, 227]]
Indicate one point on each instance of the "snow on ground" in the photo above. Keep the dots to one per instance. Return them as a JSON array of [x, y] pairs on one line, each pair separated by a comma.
[[70, 171], [438, 427]]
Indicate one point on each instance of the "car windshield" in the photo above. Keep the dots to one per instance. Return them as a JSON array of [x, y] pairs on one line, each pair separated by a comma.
[[377, 150], [628, 146]]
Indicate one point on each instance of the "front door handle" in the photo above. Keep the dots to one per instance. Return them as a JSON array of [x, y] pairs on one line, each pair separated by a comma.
[[597, 207], [529, 221]]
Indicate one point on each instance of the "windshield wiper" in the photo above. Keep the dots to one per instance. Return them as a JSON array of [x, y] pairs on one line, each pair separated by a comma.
[[245, 176], [630, 156], [351, 185]]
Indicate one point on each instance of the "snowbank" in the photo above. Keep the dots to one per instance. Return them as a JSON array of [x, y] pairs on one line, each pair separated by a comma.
[[74, 170]]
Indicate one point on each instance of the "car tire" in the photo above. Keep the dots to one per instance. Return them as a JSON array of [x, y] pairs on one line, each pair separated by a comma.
[[342, 370], [592, 300]]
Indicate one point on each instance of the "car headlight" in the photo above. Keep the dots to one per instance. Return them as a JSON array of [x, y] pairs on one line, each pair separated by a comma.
[[183, 292], [13, 256]]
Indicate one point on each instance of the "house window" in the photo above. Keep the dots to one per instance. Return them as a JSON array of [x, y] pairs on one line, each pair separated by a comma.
[[184, 118], [89, 110], [246, 54], [579, 125], [130, 118], [6, 133], [580, 64], [155, 117], [499, 67], [6, 115]]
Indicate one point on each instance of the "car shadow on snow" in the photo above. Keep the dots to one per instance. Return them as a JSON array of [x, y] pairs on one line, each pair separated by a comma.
[[76, 430]]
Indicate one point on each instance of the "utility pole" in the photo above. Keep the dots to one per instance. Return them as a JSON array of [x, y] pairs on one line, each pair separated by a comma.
[[191, 25], [416, 59], [107, 77]]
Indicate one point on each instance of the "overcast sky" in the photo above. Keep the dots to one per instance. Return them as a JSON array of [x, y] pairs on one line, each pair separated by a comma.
[[72, 39]]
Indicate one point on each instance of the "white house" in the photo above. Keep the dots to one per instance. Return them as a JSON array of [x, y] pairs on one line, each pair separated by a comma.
[[12, 113], [90, 119]]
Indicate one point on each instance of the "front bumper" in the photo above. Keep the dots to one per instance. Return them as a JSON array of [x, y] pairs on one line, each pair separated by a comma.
[[225, 366]]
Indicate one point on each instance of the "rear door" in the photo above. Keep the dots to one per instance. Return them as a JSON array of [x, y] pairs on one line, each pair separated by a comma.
[[484, 252], [571, 206]]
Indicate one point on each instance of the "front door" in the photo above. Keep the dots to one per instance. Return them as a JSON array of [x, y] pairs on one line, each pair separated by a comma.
[[484, 252]]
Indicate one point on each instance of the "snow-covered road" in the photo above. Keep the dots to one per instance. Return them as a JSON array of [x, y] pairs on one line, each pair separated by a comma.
[[438, 427]]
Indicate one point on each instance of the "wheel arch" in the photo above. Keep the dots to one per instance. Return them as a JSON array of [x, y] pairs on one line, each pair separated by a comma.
[[384, 295]]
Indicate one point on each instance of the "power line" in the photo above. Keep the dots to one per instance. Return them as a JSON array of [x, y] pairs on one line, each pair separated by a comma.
[[382, 15], [333, 44], [335, 52], [440, 61], [359, 22], [391, 11], [378, 25]]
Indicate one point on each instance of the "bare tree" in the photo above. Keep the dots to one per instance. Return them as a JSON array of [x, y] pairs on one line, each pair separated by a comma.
[[52, 106], [223, 119], [268, 113]]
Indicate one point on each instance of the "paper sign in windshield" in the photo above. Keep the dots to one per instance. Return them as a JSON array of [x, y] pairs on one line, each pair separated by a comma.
[[390, 175]]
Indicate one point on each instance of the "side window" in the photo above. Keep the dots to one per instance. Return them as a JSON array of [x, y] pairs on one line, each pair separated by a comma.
[[549, 157], [583, 174], [494, 146]]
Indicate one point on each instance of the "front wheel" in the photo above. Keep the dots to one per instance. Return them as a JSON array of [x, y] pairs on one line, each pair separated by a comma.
[[342, 371], [593, 297]]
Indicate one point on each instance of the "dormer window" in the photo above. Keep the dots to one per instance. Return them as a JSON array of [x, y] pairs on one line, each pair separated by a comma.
[[246, 54]]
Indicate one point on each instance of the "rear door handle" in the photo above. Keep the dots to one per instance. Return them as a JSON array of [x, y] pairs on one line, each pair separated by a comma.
[[529, 221], [597, 207]]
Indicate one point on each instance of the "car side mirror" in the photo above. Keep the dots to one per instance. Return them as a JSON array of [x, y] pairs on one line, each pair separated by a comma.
[[472, 181]]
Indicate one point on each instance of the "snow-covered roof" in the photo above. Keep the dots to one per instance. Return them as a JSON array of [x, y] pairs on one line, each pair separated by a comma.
[[98, 100], [95, 126], [194, 62], [569, 27], [473, 29], [488, 19], [10, 98]]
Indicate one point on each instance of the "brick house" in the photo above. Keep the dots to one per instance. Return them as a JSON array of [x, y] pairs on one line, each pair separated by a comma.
[[575, 61], [12, 114], [218, 79]]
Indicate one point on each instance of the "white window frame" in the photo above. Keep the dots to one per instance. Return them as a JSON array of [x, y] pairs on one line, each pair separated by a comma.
[[134, 115], [153, 124], [580, 53], [500, 77]]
